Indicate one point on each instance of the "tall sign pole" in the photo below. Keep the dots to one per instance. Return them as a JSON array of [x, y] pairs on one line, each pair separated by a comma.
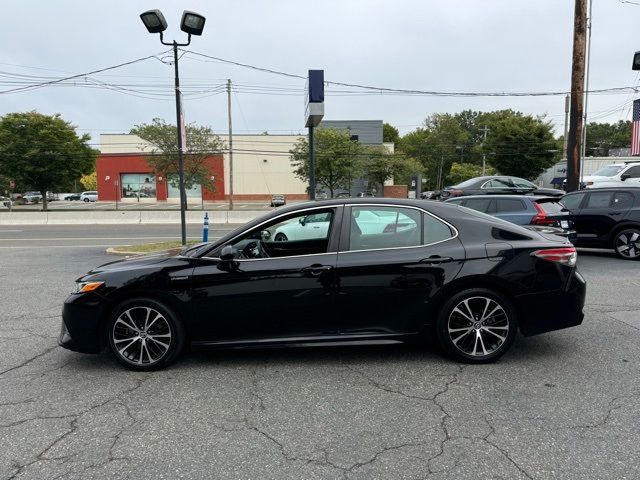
[[230, 145], [314, 112], [577, 95]]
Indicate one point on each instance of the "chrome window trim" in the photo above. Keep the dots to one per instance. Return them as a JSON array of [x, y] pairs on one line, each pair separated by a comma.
[[482, 187]]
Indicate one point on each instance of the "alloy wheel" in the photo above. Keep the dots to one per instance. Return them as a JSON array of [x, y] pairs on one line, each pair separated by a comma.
[[628, 244], [141, 336], [281, 237], [478, 326]]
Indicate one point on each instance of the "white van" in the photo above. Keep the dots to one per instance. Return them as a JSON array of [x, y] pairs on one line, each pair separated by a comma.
[[625, 174], [90, 196]]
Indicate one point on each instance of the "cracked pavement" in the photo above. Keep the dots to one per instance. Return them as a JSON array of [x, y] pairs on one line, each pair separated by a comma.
[[562, 405]]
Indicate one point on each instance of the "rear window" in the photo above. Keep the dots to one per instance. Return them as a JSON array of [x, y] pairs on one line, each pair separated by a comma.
[[479, 204], [551, 207], [509, 205], [599, 200]]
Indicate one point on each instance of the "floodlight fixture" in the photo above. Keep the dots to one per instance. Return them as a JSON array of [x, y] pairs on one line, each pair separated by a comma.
[[154, 21], [192, 23]]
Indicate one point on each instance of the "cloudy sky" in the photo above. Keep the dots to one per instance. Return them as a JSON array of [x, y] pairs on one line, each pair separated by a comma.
[[435, 45]]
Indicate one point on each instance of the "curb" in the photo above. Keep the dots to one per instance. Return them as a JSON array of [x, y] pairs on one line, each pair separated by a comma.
[[113, 251]]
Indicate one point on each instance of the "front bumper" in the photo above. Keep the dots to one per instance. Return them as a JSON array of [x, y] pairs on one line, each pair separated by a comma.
[[548, 311], [81, 323]]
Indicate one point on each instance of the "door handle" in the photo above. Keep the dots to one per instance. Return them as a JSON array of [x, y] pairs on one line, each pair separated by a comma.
[[317, 270], [435, 260], [615, 213]]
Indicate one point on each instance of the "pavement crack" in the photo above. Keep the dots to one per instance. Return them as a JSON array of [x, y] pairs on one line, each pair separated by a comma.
[[27, 362], [504, 452]]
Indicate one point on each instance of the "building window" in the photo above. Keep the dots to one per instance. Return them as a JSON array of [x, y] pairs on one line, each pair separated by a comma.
[[138, 185], [173, 188]]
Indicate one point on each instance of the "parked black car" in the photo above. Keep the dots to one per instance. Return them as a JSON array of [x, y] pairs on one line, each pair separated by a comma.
[[385, 270], [607, 218], [523, 210], [72, 197], [498, 185]]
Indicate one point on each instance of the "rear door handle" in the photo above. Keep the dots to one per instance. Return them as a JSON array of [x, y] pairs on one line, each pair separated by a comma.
[[317, 270], [436, 260]]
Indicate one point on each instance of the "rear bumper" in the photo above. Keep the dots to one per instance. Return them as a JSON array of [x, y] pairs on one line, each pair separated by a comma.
[[80, 330], [548, 311]]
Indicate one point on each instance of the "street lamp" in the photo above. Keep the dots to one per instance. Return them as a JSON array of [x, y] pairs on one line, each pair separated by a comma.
[[192, 23]]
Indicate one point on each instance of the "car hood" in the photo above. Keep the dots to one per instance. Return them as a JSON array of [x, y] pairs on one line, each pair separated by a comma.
[[137, 261], [596, 178]]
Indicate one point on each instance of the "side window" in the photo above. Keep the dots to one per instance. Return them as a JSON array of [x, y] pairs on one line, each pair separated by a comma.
[[295, 235], [479, 204], [374, 227], [434, 230], [509, 205], [622, 201], [522, 183], [498, 183], [633, 172], [599, 200], [573, 201]]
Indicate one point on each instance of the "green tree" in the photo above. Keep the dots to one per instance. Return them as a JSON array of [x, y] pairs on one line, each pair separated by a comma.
[[379, 165], [464, 171], [43, 152], [603, 136], [338, 159], [200, 141], [390, 134], [518, 144]]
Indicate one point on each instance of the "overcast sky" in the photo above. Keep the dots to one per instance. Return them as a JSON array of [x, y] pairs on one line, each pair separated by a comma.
[[443, 45]]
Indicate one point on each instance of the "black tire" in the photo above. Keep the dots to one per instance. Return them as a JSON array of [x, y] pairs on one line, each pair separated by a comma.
[[626, 243], [86, 199], [280, 237], [136, 343], [462, 343]]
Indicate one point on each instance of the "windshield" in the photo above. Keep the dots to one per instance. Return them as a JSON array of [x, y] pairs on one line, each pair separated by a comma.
[[608, 171], [466, 183]]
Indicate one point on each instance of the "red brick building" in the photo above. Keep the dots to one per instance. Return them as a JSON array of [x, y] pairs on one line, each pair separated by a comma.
[[129, 177]]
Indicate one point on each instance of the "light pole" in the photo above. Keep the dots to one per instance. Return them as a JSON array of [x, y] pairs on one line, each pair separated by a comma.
[[192, 23]]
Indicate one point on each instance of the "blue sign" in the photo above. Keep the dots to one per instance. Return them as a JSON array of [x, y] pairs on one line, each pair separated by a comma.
[[316, 86]]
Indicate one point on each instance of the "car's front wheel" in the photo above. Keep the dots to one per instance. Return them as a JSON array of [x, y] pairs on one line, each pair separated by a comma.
[[476, 326], [143, 334], [280, 237], [86, 199], [627, 244]]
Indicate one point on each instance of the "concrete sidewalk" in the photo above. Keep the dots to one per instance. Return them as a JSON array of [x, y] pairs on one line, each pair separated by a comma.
[[126, 217]]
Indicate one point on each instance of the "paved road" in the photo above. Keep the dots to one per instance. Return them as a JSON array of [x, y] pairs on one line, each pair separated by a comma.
[[564, 405], [18, 237], [63, 205]]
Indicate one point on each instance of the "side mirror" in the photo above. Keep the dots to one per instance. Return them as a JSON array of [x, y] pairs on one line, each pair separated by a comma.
[[303, 221], [265, 235], [227, 254], [624, 176]]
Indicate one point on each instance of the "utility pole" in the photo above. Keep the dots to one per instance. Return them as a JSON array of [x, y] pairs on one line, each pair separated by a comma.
[[180, 125], [586, 93], [567, 101], [485, 129], [230, 146], [577, 95]]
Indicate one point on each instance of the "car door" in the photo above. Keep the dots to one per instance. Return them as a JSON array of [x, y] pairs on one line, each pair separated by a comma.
[[288, 294], [632, 176], [596, 218], [513, 210], [386, 280]]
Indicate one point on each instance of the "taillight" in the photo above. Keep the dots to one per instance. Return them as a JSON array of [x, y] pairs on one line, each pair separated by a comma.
[[454, 192], [541, 217], [565, 255]]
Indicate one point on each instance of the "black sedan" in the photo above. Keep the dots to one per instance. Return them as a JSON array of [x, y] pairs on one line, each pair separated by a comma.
[[72, 197], [376, 271], [498, 185]]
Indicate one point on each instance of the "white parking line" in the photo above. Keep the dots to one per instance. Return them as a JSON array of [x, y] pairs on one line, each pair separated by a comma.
[[11, 231]]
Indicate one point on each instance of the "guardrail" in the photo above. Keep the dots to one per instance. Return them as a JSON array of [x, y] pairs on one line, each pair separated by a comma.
[[119, 217]]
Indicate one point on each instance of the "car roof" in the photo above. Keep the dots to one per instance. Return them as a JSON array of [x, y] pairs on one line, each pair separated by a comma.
[[530, 197], [610, 189]]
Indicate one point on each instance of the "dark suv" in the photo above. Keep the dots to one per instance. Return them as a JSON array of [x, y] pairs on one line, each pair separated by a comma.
[[607, 218]]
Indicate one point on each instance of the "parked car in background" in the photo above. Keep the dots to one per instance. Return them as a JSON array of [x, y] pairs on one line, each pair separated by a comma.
[[464, 279], [72, 197], [342, 195], [5, 201], [523, 210], [89, 196], [625, 174], [497, 185], [366, 195], [32, 197], [321, 196], [607, 218], [278, 200]]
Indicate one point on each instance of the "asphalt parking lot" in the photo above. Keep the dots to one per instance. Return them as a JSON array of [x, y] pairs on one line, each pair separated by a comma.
[[562, 405], [63, 205]]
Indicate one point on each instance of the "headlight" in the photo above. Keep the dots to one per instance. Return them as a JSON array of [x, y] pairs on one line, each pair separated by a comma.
[[84, 287]]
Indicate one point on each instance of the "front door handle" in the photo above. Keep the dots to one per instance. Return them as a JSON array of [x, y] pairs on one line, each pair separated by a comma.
[[317, 270], [436, 259], [615, 213]]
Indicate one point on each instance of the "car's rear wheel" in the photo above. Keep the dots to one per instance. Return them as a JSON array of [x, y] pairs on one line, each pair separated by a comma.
[[476, 326], [144, 334], [280, 237], [627, 244], [86, 199]]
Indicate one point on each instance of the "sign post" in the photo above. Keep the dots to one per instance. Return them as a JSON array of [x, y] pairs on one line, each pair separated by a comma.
[[314, 111]]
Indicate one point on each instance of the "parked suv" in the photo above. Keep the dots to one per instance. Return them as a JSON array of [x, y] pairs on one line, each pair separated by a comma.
[[90, 196], [607, 218], [523, 210], [625, 174]]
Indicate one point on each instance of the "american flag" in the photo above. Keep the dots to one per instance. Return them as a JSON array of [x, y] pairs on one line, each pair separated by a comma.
[[635, 128]]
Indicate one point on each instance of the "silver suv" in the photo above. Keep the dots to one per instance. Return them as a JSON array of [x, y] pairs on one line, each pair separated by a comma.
[[625, 174]]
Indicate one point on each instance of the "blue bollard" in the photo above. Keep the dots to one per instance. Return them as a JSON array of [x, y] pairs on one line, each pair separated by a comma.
[[205, 228]]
